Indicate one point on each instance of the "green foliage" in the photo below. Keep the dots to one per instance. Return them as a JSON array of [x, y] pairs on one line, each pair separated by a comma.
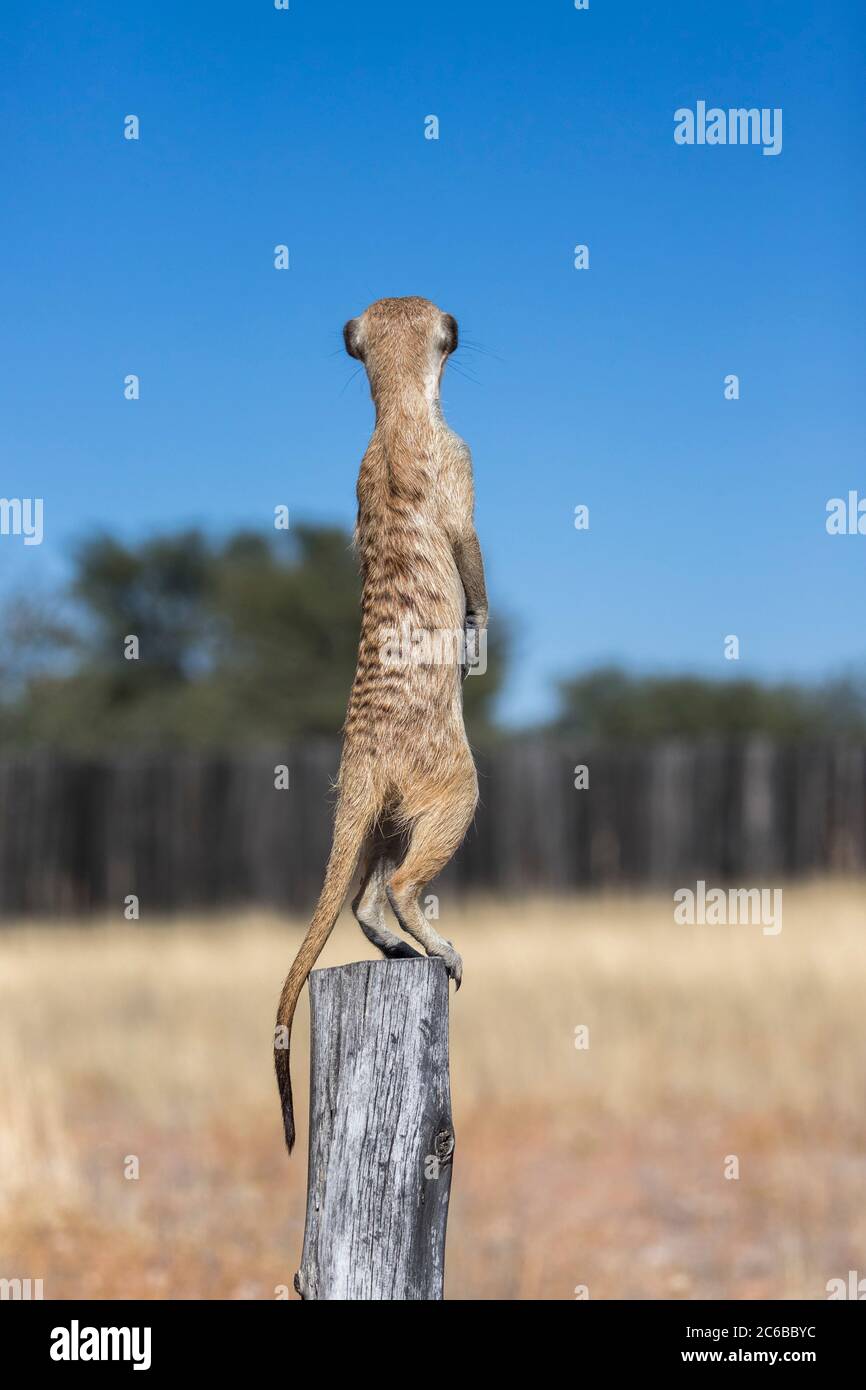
[[609, 704], [251, 640], [254, 640]]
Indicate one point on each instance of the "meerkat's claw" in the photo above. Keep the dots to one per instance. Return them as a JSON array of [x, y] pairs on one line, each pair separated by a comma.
[[453, 964]]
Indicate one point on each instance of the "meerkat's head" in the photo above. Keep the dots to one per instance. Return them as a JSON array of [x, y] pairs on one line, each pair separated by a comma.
[[403, 343]]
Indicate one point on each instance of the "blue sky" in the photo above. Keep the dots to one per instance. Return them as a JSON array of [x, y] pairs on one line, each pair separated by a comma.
[[602, 387]]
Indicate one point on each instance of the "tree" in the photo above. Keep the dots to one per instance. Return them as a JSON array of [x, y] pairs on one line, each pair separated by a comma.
[[250, 640], [611, 704]]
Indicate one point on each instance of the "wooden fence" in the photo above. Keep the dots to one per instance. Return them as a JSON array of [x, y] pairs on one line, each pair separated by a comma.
[[184, 832]]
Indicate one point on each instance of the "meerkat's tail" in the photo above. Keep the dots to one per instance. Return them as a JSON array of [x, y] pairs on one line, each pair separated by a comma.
[[353, 819]]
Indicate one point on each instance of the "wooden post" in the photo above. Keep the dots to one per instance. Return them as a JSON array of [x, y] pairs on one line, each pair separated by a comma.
[[381, 1135]]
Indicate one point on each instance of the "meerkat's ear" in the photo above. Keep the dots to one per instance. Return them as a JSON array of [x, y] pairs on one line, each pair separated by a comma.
[[351, 337], [449, 326]]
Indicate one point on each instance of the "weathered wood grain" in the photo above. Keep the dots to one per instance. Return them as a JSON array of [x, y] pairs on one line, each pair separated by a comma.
[[381, 1134]]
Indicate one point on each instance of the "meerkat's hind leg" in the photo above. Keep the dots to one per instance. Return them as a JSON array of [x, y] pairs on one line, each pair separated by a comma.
[[407, 910], [370, 905], [436, 834]]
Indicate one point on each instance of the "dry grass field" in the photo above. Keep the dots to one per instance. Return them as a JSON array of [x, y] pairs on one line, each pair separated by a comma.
[[602, 1166]]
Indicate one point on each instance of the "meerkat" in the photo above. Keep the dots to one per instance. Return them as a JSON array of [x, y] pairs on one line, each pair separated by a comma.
[[407, 786]]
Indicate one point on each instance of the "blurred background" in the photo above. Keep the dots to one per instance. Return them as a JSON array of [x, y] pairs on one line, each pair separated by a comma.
[[164, 820]]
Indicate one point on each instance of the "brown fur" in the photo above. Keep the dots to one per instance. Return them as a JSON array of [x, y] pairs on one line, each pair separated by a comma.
[[407, 783]]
